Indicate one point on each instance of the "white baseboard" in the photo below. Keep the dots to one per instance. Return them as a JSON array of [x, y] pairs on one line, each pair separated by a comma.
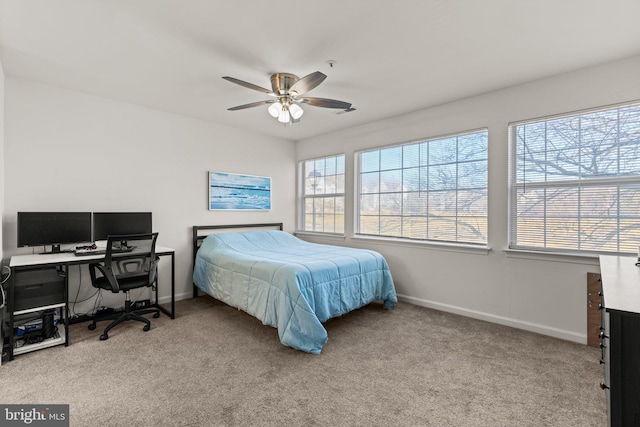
[[167, 299], [514, 323]]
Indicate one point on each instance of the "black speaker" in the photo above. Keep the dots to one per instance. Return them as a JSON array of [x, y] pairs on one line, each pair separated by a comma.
[[48, 325]]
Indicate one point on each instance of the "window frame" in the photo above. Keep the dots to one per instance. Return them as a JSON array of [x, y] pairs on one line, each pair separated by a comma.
[[569, 182], [444, 243], [303, 196]]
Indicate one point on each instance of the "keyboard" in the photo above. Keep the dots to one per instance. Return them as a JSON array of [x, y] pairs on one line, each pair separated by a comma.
[[85, 252], [90, 251]]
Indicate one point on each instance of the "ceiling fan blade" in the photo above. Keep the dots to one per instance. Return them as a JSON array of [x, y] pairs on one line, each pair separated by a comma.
[[248, 85], [253, 104], [307, 83], [324, 102]]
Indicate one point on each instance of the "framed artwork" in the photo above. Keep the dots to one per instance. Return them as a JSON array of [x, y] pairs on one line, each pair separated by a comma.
[[229, 191]]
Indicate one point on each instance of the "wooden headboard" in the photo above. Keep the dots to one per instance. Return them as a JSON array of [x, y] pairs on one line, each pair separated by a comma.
[[200, 232]]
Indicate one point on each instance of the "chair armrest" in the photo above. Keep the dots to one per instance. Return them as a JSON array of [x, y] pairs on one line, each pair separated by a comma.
[[92, 271], [107, 273]]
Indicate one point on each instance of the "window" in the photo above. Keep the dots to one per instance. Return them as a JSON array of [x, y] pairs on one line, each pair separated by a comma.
[[433, 190], [575, 181], [323, 195]]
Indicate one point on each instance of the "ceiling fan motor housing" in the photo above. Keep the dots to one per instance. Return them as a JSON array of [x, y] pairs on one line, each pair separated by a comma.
[[282, 82]]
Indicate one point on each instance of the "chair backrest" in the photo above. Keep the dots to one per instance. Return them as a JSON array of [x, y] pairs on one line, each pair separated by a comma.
[[137, 259]]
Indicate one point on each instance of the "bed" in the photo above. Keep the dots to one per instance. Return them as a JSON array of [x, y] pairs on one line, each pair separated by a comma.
[[286, 282]]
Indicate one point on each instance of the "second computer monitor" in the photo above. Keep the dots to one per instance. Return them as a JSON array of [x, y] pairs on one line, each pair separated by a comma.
[[117, 223]]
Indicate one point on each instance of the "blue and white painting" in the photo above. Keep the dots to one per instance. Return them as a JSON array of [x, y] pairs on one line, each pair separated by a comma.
[[239, 192]]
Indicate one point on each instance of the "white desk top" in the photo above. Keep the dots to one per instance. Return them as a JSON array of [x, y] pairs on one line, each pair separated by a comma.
[[620, 283], [66, 258]]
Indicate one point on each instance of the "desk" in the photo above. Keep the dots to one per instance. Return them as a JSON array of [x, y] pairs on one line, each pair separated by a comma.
[[62, 261]]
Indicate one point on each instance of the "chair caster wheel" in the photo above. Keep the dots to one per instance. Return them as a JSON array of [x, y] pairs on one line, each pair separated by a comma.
[[91, 326], [104, 337], [146, 328], [156, 315]]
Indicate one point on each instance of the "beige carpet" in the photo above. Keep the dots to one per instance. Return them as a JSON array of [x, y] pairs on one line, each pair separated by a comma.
[[216, 366]]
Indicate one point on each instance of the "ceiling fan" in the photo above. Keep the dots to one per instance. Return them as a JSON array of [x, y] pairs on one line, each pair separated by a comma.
[[287, 92]]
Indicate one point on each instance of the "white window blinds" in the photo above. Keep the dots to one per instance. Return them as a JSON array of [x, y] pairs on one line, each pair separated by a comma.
[[575, 181]]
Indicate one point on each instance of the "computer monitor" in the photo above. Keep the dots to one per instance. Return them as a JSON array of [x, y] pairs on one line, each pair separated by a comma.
[[53, 228], [107, 224]]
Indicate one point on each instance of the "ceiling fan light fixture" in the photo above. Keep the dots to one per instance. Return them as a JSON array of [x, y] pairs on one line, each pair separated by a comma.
[[284, 116], [275, 109], [296, 111]]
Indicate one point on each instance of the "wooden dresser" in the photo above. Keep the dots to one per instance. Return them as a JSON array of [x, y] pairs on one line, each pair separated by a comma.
[[620, 339]]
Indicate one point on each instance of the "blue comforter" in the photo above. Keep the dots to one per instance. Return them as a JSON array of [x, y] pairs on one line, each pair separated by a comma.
[[291, 284]]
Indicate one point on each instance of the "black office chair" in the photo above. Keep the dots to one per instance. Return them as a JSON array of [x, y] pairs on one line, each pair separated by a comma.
[[125, 269]]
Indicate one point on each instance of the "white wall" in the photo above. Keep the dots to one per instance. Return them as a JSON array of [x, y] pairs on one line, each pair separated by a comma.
[[67, 151], [543, 294]]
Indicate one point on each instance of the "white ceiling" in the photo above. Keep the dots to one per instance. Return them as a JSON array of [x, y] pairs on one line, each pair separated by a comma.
[[393, 57]]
